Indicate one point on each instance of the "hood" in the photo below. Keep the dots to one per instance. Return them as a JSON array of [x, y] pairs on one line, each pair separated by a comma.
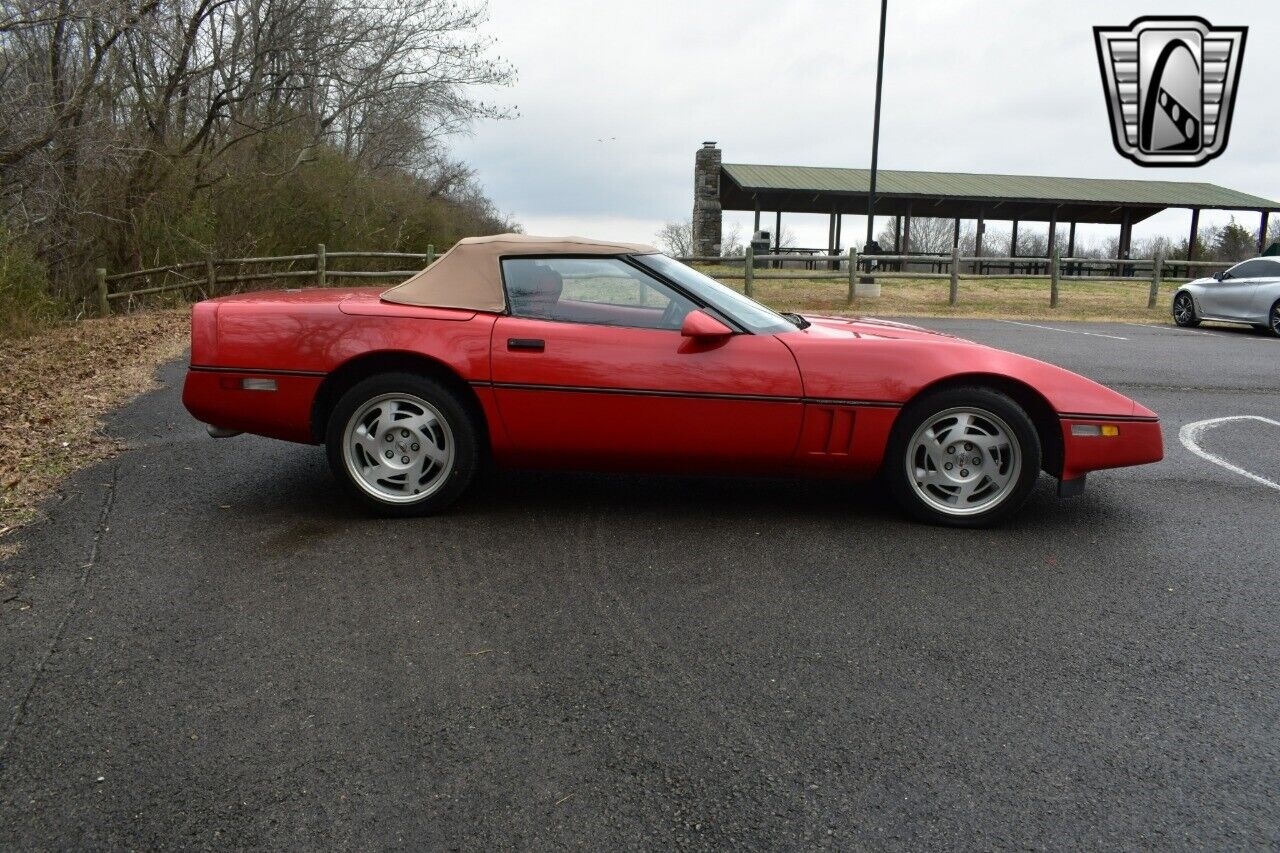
[[847, 358], [868, 327]]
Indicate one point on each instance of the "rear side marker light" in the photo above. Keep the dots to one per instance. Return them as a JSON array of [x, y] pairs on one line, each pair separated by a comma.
[[1095, 430], [231, 383]]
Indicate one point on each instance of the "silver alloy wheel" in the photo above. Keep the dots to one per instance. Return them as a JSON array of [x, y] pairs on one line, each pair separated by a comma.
[[1183, 310], [963, 461], [398, 448], [1275, 319]]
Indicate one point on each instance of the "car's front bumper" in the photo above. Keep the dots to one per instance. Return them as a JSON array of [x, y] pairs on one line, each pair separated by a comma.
[[1092, 444]]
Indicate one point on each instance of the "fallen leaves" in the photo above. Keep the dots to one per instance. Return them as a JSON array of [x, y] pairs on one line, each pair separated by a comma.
[[57, 384]]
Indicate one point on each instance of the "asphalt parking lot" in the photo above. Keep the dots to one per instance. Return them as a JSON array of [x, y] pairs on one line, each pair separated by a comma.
[[210, 647]]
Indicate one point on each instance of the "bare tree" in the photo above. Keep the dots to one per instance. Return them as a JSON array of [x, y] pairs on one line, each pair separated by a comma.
[[676, 238], [732, 244], [932, 236], [122, 121]]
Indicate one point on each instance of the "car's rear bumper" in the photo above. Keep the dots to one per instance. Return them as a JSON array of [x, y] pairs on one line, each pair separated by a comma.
[[1137, 441], [272, 403]]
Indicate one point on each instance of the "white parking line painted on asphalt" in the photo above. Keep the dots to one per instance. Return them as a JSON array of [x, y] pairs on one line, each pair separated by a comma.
[[1237, 334], [1189, 436], [1172, 330], [1068, 331]]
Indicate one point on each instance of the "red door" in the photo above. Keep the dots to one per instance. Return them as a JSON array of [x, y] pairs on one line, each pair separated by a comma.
[[584, 395]]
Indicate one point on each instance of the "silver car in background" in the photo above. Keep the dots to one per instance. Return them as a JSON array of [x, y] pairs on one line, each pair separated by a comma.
[[1249, 293]]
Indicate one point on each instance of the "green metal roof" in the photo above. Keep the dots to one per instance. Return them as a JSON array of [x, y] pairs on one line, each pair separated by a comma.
[[961, 185]]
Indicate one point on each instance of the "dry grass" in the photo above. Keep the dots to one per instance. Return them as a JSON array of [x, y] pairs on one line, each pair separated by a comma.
[[57, 384], [1008, 298]]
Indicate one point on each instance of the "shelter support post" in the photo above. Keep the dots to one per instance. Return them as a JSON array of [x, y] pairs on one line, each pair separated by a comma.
[[955, 236], [755, 228], [897, 235], [831, 240], [1071, 240], [906, 231], [777, 235], [1262, 233], [1013, 244], [1195, 232], [1126, 240], [977, 240]]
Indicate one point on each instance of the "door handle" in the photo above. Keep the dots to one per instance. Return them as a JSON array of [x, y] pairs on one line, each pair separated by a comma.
[[530, 344]]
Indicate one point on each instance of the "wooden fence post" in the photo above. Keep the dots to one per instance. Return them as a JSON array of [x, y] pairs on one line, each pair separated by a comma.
[[321, 271], [954, 298], [1157, 267], [749, 271], [104, 306], [431, 254], [210, 275], [1055, 270], [853, 272]]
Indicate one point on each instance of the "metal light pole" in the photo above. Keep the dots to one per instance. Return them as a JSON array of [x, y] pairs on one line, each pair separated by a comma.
[[875, 132]]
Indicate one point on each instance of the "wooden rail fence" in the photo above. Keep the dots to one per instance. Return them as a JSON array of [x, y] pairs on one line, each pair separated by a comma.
[[210, 277], [207, 275], [866, 269]]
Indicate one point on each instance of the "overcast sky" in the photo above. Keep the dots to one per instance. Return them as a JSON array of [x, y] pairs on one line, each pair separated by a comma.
[[614, 98]]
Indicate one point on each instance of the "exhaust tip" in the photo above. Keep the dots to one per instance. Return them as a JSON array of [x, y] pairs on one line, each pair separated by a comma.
[[221, 432]]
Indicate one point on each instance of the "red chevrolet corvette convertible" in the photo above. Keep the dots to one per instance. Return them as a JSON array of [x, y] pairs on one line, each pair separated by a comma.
[[573, 353]]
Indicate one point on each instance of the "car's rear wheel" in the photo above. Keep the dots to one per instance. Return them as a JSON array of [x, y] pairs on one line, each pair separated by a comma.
[[1184, 311], [402, 444], [966, 457]]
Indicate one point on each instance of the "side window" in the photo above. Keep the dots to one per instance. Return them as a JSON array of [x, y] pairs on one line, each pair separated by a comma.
[[1255, 269], [601, 291]]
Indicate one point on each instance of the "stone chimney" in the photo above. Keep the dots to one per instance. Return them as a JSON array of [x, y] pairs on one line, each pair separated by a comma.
[[706, 200]]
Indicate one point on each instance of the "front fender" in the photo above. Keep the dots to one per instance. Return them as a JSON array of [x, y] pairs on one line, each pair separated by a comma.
[[897, 370]]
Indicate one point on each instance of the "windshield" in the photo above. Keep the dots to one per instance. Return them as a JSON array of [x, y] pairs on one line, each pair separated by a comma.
[[753, 316]]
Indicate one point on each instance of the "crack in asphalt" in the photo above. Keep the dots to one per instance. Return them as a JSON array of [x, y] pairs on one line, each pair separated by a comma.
[[91, 560]]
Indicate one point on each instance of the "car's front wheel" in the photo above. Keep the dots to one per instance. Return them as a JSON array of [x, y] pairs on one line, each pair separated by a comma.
[[1184, 311], [402, 444], [966, 457], [1273, 319]]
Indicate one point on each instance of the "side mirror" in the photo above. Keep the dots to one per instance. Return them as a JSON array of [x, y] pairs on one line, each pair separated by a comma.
[[1219, 276], [701, 325]]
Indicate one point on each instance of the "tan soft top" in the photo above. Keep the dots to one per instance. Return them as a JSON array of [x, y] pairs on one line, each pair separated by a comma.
[[469, 276]]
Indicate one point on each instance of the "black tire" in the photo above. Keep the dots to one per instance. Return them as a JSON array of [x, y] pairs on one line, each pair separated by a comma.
[[459, 426], [900, 462], [1187, 319], [1273, 320]]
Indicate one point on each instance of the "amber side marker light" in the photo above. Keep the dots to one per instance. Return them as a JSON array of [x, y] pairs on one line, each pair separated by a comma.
[[1095, 430]]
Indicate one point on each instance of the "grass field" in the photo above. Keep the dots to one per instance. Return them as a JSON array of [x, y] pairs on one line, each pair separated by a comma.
[[1011, 298]]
